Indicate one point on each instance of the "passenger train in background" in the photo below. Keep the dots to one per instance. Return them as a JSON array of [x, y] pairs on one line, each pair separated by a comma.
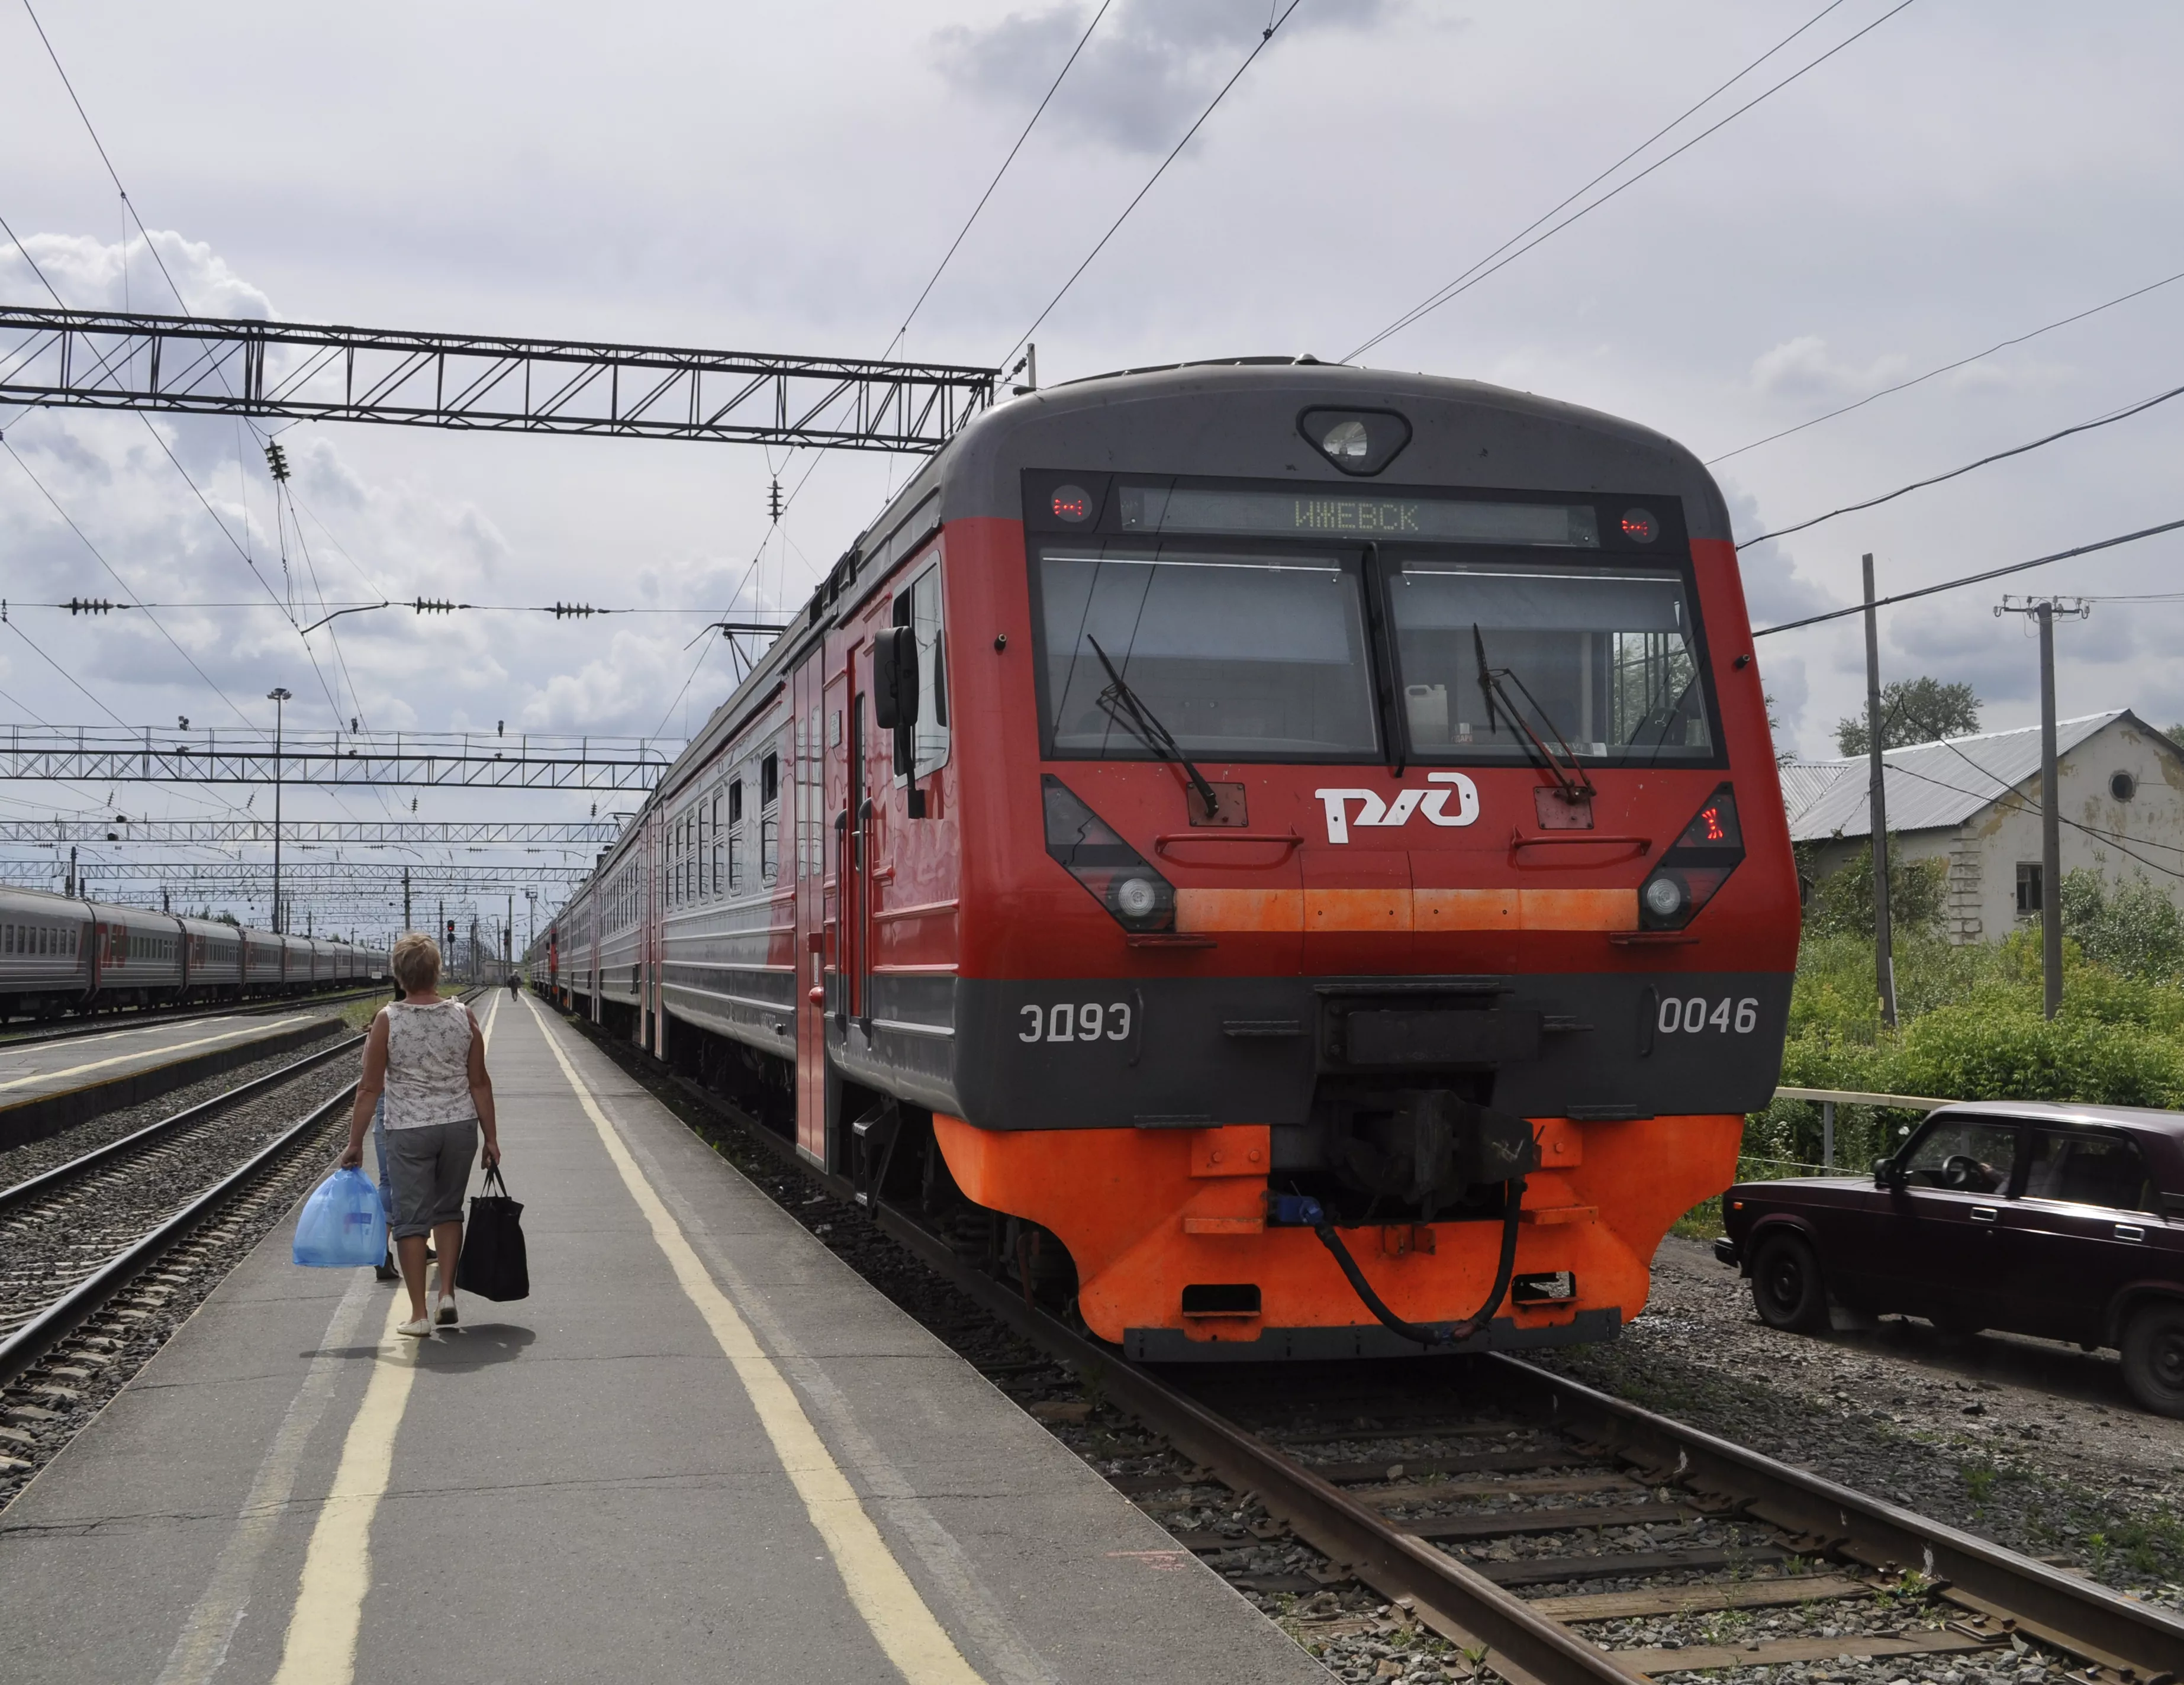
[[60, 954], [1280, 859]]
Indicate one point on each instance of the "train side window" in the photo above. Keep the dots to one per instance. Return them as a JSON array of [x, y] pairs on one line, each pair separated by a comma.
[[720, 883], [769, 822], [735, 835], [931, 732], [704, 849]]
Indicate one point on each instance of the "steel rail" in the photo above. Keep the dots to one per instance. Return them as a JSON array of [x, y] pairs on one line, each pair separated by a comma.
[[2131, 1639], [22, 1348], [29, 1342], [2072, 1614], [201, 1113]]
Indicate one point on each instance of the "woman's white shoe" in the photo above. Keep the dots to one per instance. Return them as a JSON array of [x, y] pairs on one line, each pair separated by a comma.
[[448, 1311], [418, 1328]]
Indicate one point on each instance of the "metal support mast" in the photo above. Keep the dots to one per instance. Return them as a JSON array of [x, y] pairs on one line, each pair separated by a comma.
[[1884, 952]]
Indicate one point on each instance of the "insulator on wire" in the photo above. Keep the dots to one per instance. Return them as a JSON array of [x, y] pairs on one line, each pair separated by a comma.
[[433, 605], [773, 501], [89, 605], [574, 610], [276, 459]]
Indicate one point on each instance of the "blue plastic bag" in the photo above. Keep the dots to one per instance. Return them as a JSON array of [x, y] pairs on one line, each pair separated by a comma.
[[342, 1225]]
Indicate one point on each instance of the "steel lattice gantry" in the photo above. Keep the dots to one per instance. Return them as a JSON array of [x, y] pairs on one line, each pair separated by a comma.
[[104, 755], [587, 833], [107, 360], [194, 878]]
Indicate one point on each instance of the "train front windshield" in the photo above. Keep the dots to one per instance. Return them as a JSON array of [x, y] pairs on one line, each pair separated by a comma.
[[1239, 657], [1256, 656]]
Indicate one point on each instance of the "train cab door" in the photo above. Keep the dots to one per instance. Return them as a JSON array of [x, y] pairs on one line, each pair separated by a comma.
[[816, 705]]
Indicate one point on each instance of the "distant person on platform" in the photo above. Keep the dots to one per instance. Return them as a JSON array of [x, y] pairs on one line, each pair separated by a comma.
[[427, 1054]]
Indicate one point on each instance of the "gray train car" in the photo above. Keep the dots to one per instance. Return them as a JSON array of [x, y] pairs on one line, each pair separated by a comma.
[[212, 960], [45, 954], [136, 956]]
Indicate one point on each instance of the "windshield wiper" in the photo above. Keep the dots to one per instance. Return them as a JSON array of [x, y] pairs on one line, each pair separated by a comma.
[[1570, 782], [1127, 709]]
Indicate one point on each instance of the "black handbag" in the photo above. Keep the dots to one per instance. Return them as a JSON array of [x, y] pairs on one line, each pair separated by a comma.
[[493, 1263]]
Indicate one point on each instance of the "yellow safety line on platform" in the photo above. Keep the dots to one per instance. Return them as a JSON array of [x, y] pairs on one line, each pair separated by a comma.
[[321, 1646], [171, 1047], [322, 1632], [905, 1628]]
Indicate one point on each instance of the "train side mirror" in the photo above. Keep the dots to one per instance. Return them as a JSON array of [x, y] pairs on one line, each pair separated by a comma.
[[894, 678]]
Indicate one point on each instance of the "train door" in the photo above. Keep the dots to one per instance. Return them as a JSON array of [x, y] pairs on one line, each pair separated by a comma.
[[816, 705]]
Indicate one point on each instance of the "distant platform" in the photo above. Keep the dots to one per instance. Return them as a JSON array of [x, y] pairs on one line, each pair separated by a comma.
[[48, 1087], [703, 1449]]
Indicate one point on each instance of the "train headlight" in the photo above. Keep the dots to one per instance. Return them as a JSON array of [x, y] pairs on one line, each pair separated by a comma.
[[1135, 898], [1092, 852], [1695, 865]]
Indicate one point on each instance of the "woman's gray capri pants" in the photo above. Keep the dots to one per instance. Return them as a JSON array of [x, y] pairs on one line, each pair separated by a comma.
[[431, 1168]]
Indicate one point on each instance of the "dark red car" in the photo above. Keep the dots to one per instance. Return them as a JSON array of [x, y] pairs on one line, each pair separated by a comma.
[[2066, 1222]]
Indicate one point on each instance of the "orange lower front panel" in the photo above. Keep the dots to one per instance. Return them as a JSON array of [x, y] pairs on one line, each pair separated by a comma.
[[1147, 1212]]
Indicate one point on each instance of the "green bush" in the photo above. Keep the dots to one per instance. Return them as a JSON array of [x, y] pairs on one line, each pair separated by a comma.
[[2131, 927], [1969, 1027], [1842, 903]]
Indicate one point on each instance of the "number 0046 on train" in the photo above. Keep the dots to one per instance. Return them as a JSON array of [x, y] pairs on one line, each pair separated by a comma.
[[1279, 860]]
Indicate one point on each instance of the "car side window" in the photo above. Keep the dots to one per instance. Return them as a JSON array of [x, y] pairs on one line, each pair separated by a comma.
[[1969, 1155], [2088, 1170]]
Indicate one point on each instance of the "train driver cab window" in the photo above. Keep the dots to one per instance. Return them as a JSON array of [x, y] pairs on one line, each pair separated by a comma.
[[1237, 655], [1603, 658], [769, 820], [919, 608]]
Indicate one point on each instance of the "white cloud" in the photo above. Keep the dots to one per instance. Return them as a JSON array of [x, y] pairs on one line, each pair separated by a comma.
[[1804, 368]]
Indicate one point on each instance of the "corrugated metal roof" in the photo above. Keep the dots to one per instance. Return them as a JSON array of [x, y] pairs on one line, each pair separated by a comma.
[[1929, 786]]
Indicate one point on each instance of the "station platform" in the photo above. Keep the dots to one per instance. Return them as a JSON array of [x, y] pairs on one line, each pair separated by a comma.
[[703, 1449], [46, 1086]]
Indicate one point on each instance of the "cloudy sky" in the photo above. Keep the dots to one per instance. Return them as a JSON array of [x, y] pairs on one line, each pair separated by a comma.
[[786, 178]]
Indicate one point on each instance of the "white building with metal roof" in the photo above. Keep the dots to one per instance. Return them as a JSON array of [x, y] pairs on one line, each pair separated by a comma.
[[1975, 802]]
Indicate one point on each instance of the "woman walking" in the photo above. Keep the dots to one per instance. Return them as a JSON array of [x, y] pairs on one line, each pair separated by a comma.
[[427, 1055]]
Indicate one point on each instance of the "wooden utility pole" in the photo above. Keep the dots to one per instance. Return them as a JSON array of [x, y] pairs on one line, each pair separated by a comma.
[[1884, 955]]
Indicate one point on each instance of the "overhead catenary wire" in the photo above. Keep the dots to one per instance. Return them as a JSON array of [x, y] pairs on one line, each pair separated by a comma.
[[1950, 368], [1973, 578], [2108, 419], [1441, 295], [1258, 47], [961, 233], [1465, 283]]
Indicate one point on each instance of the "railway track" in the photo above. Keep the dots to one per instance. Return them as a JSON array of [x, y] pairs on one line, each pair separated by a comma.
[[1548, 1531], [107, 1023], [101, 1256]]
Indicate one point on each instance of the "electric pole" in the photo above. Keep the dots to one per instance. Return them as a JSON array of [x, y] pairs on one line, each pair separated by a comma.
[[2044, 610], [1884, 955], [278, 696]]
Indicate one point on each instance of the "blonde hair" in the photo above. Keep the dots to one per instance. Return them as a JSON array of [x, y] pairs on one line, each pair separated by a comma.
[[415, 961]]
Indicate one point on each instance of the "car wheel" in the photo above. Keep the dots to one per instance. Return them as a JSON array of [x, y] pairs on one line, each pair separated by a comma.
[[2154, 1357], [1786, 1285]]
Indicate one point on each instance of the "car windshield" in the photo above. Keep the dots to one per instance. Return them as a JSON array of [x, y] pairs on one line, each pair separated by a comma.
[[1238, 657], [1605, 654], [1968, 1155]]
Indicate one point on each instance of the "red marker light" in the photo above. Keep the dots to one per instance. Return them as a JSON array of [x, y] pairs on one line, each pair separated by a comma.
[[1071, 504], [1640, 527], [1710, 817]]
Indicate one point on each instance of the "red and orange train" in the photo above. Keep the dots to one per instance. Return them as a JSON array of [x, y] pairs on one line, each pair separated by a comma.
[[1286, 859]]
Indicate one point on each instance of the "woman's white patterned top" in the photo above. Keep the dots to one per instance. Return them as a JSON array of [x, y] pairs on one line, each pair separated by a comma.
[[428, 1064]]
